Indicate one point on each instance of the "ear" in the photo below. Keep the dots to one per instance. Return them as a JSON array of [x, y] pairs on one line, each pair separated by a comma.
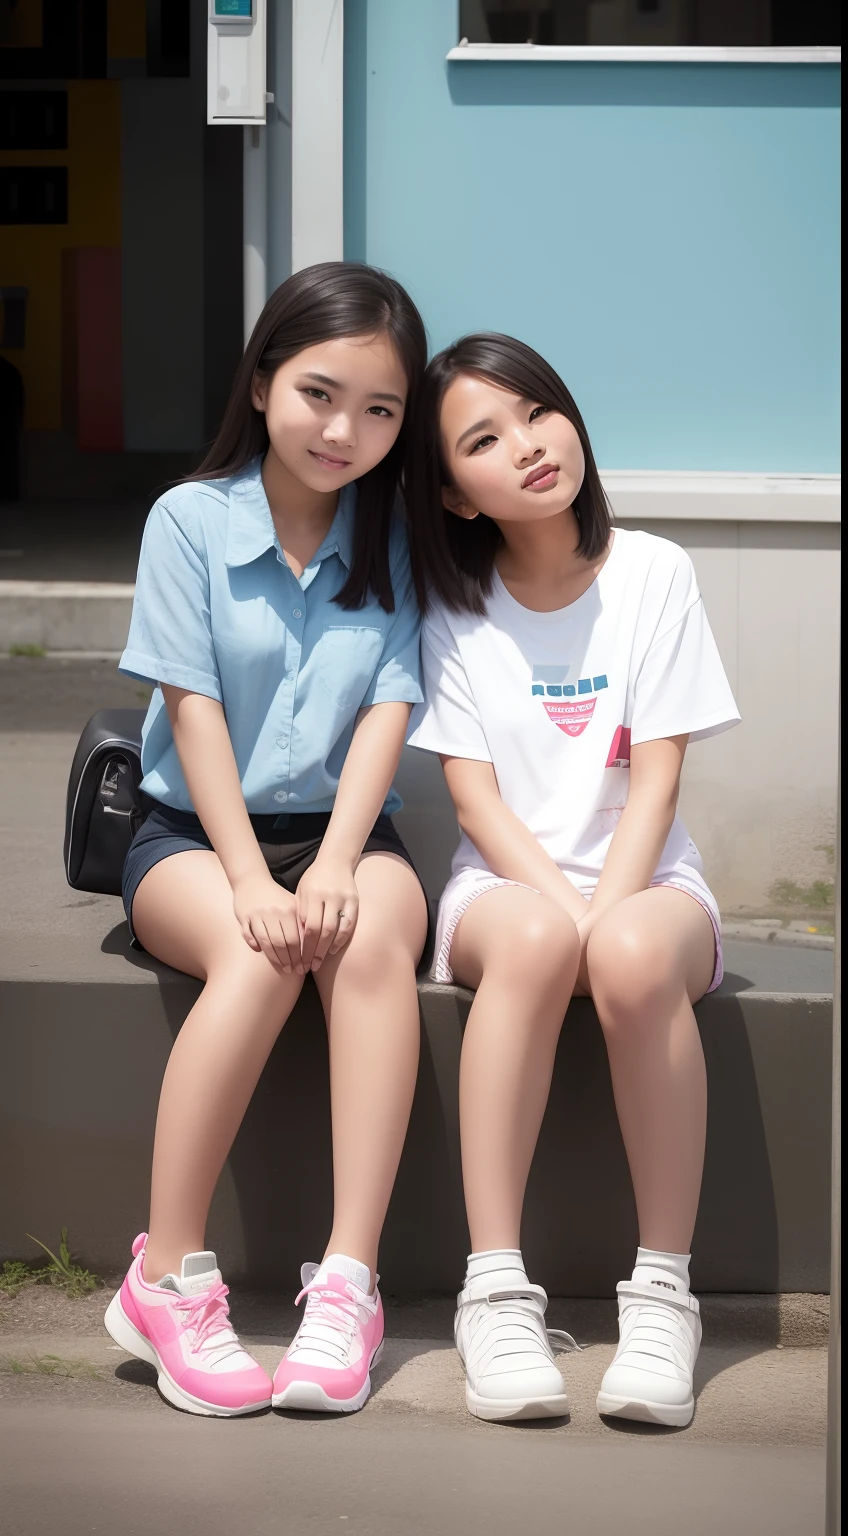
[[452, 502], [259, 393]]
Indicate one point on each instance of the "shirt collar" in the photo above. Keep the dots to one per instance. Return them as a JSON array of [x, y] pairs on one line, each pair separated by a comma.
[[251, 531]]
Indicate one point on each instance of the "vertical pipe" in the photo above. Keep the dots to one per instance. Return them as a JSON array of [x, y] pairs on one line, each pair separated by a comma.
[[833, 1516], [317, 132], [255, 226]]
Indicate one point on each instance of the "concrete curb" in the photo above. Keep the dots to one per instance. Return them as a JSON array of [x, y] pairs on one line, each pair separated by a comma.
[[760, 934], [65, 615]]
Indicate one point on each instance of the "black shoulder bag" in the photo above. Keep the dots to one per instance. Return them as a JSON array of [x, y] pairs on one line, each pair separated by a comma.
[[105, 804]]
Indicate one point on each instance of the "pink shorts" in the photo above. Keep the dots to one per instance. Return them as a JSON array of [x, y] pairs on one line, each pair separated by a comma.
[[465, 886]]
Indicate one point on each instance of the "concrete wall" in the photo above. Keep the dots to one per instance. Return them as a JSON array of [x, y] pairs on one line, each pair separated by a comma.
[[760, 801]]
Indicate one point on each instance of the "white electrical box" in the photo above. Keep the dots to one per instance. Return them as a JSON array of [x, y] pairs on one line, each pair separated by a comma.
[[235, 79]]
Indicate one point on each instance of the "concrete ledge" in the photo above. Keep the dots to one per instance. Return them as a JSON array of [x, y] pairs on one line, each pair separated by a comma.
[[65, 615], [79, 1082]]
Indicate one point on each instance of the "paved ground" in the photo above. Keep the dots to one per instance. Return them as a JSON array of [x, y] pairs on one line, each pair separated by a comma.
[[92, 1447]]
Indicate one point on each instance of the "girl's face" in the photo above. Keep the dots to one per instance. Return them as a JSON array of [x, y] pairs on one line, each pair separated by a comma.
[[334, 410], [511, 458]]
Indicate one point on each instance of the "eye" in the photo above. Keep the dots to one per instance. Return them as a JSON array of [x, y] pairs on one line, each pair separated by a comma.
[[539, 410], [482, 442], [317, 394], [378, 410]]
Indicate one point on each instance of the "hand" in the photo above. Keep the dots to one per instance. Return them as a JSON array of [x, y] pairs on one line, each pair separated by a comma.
[[328, 907], [267, 916]]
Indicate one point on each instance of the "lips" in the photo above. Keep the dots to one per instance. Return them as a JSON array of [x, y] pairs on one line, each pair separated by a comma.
[[329, 461], [540, 477]]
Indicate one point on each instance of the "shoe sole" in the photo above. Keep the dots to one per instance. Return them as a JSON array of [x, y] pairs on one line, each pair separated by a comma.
[[309, 1397], [514, 1409], [128, 1337], [673, 1416]]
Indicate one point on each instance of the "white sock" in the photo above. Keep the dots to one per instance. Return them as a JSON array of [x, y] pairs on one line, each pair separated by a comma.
[[495, 1259], [662, 1269]]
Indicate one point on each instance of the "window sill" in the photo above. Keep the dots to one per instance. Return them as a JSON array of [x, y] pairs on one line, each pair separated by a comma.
[[723, 497], [532, 53]]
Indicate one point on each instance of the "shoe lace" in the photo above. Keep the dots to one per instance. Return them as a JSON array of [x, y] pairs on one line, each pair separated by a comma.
[[208, 1314], [331, 1318]]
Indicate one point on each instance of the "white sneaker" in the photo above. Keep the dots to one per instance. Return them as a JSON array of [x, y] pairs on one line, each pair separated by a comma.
[[650, 1378], [503, 1343]]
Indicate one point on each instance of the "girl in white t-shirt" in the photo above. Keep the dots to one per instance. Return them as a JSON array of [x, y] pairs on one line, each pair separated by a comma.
[[567, 666]]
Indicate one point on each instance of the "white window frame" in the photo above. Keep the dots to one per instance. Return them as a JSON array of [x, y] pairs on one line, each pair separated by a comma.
[[633, 53]]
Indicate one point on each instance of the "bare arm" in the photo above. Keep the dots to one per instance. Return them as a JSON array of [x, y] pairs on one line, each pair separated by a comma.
[[508, 846], [641, 834], [329, 888], [267, 915]]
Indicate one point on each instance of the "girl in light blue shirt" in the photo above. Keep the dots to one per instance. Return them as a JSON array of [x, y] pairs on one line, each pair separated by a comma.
[[275, 614]]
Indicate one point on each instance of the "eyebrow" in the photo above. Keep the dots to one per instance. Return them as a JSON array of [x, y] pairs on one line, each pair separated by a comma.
[[477, 427], [321, 378]]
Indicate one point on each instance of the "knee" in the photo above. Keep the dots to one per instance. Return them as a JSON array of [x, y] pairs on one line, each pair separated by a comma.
[[375, 958], [632, 973], [545, 948], [249, 973]]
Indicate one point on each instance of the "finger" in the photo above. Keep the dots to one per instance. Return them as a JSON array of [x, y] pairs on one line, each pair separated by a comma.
[[280, 962], [346, 928], [329, 930], [287, 961], [292, 937], [248, 938], [312, 926]]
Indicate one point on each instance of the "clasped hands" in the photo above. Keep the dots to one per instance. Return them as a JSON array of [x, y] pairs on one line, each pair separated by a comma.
[[297, 932]]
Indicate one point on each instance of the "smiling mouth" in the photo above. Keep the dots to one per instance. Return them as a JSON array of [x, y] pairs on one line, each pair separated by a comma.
[[540, 478], [329, 461]]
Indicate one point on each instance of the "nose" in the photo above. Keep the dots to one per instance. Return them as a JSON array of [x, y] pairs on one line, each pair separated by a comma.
[[526, 447], [340, 432]]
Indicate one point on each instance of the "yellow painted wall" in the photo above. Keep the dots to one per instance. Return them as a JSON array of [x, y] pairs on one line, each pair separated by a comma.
[[31, 255]]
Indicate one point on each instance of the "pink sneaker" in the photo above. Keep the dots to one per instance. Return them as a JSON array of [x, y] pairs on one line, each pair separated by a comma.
[[182, 1327], [327, 1366]]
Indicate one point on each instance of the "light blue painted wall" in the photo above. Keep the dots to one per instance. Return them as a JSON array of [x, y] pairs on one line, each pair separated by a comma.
[[667, 235]]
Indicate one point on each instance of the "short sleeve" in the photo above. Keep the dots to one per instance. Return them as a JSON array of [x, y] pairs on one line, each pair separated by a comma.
[[682, 688], [170, 638], [397, 676], [448, 721]]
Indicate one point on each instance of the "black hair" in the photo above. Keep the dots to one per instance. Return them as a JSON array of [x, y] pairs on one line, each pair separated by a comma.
[[322, 303], [453, 559]]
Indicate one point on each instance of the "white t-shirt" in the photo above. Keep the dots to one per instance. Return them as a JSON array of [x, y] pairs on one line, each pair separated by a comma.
[[555, 700]]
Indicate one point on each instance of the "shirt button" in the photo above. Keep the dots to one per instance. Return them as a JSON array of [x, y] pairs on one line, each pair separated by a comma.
[[282, 741], [281, 796], [297, 613]]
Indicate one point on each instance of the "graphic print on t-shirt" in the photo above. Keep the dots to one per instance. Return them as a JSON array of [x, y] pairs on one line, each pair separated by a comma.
[[569, 706], [619, 752]]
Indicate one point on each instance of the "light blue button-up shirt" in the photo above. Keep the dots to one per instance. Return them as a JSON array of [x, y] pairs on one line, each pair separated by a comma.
[[219, 611]]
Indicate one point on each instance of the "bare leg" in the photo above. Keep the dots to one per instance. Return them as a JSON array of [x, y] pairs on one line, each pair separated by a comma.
[[521, 953], [648, 960], [371, 1003], [183, 914]]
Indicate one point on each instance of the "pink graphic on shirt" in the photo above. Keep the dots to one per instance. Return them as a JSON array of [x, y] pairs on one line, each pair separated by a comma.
[[571, 715], [619, 752]]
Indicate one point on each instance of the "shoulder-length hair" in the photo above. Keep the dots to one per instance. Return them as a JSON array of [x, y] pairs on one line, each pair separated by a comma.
[[452, 559], [326, 302]]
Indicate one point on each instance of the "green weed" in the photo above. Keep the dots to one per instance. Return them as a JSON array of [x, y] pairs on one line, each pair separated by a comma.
[[49, 1365], [27, 650], [817, 896], [14, 1276], [62, 1271]]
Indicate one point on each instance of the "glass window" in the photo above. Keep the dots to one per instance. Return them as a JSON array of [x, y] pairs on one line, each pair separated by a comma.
[[655, 23]]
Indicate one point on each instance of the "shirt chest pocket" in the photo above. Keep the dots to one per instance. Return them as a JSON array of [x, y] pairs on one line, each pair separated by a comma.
[[347, 657]]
